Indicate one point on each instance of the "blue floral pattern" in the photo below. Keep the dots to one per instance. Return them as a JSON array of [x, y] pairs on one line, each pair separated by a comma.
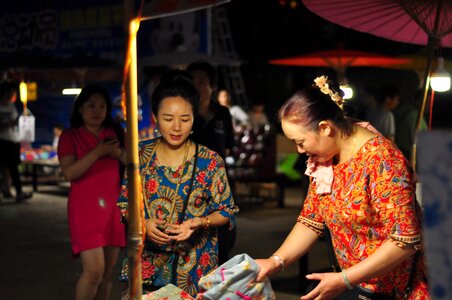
[[210, 193], [434, 150]]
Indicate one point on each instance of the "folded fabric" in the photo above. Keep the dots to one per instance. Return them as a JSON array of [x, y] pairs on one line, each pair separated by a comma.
[[168, 292], [235, 280]]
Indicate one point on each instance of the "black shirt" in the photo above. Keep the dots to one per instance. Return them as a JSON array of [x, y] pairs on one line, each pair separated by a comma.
[[215, 131]]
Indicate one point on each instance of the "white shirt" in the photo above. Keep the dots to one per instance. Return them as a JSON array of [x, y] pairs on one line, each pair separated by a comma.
[[9, 113], [383, 121], [239, 114]]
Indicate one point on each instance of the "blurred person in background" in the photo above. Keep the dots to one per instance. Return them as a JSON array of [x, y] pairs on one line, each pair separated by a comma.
[[239, 116], [382, 117], [92, 157], [258, 118], [57, 131], [9, 143], [405, 116], [213, 128]]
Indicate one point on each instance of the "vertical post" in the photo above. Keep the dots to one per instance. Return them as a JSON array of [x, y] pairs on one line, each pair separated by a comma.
[[135, 242], [431, 47], [432, 44]]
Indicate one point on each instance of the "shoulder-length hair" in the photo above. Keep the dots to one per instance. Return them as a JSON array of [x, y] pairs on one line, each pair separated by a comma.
[[76, 117]]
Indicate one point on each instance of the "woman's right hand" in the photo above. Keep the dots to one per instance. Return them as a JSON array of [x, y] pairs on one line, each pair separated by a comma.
[[156, 235], [106, 147]]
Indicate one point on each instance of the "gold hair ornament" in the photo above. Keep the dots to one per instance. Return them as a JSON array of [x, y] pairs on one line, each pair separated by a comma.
[[322, 83]]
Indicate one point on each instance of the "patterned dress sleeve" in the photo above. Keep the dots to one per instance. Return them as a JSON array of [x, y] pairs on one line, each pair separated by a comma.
[[392, 195], [123, 200], [310, 214], [220, 190]]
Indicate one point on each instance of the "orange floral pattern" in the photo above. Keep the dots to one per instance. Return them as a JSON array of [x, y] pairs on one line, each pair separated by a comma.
[[371, 202]]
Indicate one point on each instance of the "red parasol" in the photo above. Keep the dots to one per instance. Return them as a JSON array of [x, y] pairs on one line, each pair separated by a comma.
[[408, 21], [423, 22], [340, 59]]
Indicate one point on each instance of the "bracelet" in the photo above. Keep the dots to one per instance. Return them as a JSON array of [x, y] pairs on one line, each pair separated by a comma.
[[280, 261], [207, 225], [347, 282]]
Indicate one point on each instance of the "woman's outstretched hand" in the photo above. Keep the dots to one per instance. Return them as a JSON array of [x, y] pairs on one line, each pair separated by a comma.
[[330, 286], [155, 234], [267, 267]]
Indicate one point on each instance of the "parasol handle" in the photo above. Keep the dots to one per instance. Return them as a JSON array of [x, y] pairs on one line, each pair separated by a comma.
[[433, 43]]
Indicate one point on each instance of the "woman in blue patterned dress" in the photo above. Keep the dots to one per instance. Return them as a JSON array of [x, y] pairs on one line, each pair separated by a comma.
[[181, 213]]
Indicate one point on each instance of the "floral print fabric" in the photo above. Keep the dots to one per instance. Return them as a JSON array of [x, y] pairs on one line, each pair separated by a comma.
[[210, 193], [371, 202], [168, 292]]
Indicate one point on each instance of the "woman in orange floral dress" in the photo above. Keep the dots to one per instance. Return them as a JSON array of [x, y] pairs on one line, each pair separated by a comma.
[[362, 189]]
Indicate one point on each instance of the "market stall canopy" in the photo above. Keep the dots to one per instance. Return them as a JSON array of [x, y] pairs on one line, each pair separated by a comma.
[[340, 59]]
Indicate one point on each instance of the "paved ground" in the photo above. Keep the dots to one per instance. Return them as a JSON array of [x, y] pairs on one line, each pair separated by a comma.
[[36, 261]]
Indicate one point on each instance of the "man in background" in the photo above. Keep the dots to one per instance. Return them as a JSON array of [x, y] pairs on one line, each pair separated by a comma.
[[213, 128]]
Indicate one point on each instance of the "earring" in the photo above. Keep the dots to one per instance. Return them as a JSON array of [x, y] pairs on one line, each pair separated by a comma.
[[191, 132], [156, 130]]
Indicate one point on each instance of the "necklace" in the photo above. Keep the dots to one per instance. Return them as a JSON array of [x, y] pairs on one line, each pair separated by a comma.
[[176, 191]]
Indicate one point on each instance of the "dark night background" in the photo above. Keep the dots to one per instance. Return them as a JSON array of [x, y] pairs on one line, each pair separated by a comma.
[[262, 30], [266, 30]]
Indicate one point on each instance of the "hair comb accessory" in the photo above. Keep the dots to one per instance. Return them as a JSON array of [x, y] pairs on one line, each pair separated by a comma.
[[322, 83]]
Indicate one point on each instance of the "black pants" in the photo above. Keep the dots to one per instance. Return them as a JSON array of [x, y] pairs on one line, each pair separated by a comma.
[[10, 160]]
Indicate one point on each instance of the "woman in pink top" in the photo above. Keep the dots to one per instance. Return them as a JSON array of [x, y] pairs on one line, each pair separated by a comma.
[[92, 157]]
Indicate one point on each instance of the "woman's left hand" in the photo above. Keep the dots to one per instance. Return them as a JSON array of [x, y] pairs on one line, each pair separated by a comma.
[[183, 231], [267, 267], [330, 286]]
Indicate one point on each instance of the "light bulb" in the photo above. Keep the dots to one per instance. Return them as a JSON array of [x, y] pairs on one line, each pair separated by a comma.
[[71, 91], [23, 92], [348, 91], [440, 79]]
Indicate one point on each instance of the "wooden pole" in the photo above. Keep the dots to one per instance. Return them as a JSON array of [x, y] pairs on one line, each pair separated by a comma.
[[135, 242], [426, 85]]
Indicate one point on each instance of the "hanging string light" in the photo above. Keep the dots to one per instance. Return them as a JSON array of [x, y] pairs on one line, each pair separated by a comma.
[[440, 79], [23, 91]]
